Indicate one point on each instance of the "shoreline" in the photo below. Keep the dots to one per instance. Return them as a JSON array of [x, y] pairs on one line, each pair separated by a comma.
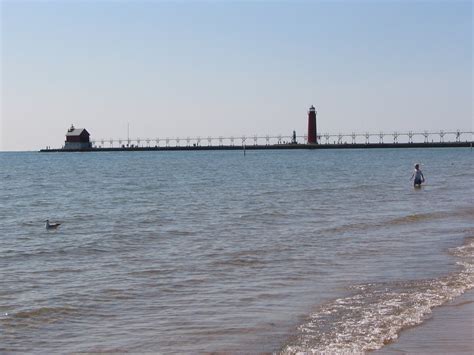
[[449, 329]]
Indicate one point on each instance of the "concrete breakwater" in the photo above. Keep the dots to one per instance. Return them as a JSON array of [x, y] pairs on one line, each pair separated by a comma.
[[270, 146]]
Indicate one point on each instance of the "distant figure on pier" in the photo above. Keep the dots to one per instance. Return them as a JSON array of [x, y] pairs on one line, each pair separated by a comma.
[[293, 140], [418, 175]]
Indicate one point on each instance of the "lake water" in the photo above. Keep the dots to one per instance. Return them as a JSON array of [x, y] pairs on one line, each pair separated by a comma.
[[275, 251]]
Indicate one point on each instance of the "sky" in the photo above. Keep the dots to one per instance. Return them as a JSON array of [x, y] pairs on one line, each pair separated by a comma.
[[231, 68]]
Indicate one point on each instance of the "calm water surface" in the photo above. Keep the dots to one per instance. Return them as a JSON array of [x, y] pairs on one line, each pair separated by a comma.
[[215, 251]]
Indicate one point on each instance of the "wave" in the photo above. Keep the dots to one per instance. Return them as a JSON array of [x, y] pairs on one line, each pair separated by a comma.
[[417, 217], [37, 316], [264, 215], [44, 312], [78, 250], [375, 314], [403, 220], [244, 258], [152, 272], [240, 262]]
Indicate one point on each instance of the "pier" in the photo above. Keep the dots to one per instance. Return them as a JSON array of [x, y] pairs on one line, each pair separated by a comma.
[[261, 142], [267, 140], [78, 139]]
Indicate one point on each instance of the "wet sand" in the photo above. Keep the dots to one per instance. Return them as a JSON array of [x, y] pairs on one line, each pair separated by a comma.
[[448, 330]]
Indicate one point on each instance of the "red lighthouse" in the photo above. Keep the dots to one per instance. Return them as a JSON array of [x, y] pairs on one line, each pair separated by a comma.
[[312, 131]]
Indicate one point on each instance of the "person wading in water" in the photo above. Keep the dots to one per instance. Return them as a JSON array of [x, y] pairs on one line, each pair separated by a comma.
[[418, 175]]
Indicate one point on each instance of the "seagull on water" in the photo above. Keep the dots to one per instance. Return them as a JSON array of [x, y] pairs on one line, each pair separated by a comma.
[[52, 225]]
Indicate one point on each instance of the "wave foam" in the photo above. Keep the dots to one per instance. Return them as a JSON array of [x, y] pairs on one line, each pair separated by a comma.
[[376, 313]]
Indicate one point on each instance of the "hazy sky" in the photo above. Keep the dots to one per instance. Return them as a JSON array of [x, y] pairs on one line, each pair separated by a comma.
[[188, 68]]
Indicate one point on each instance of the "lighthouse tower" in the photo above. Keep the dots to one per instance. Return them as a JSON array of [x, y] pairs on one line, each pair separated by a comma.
[[312, 131]]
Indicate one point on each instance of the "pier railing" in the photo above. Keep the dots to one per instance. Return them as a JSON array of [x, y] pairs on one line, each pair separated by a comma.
[[244, 140]]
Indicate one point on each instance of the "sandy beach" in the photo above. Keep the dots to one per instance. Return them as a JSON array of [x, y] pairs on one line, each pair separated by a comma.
[[448, 330]]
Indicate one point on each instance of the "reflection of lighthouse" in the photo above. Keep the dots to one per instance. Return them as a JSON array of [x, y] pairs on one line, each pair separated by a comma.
[[312, 133]]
